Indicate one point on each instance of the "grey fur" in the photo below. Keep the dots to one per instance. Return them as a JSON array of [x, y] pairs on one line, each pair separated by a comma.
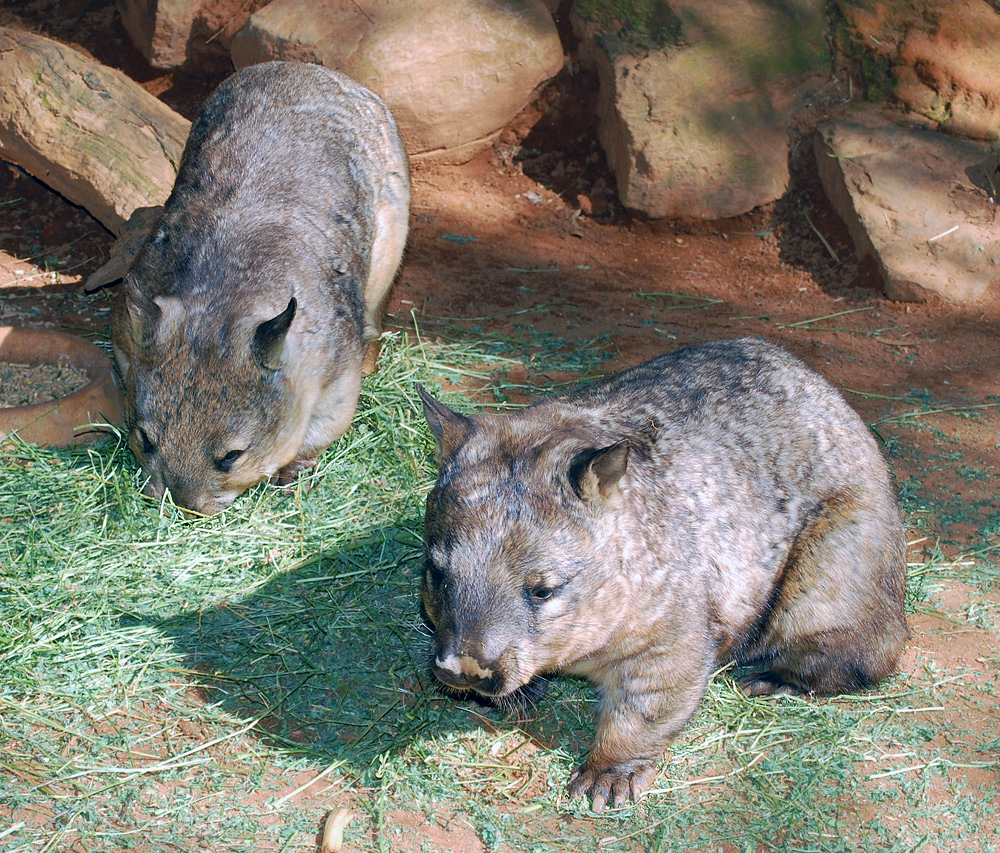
[[244, 324], [721, 502]]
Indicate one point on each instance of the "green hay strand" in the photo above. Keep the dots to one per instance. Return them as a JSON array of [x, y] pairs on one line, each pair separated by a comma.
[[176, 684]]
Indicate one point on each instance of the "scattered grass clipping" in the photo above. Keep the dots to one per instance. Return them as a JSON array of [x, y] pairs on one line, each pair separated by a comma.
[[225, 683]]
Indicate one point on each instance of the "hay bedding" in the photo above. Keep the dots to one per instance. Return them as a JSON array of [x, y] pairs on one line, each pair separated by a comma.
[[25, 384]]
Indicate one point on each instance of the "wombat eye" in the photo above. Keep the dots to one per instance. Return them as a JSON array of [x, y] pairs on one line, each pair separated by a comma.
[[541, 592], [148, 447], [225, 464]]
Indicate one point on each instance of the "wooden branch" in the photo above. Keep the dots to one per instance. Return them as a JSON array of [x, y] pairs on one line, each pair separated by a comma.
[[86, 130]]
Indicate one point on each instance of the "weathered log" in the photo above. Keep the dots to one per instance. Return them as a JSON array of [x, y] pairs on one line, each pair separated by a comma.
[[85, 130]]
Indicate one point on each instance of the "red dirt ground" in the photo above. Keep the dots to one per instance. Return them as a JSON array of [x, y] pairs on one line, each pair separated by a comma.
[[527, 240]]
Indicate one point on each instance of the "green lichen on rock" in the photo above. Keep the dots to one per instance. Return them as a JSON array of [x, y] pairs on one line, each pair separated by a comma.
[[778, 39], [875, 65], [651, 24]]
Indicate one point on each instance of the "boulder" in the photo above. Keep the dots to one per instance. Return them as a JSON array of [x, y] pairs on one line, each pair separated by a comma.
[[695, 105], [921, 203], [453, 72], [167, 32], [161, 29], [941, 60]]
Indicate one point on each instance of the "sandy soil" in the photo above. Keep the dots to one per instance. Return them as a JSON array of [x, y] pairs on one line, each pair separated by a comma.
[[528, 243]]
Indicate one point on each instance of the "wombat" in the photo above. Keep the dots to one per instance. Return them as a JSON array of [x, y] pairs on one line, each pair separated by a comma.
[[246, 321], [719, 503]]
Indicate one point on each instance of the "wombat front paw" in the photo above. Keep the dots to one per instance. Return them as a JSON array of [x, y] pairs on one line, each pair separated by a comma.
[[290, 473], [617, 783], [767, 684], [369, 363]]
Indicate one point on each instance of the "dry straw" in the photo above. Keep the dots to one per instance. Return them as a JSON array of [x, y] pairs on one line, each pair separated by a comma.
[[224, 683]]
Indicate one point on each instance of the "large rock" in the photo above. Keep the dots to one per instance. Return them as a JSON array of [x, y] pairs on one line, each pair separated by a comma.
[[941, 60], [695, 113], [168, 32], [920, 203], [453, 72], [161, 29], [84, 129]]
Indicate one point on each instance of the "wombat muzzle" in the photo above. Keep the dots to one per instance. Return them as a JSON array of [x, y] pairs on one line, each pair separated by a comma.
[[462, 672]]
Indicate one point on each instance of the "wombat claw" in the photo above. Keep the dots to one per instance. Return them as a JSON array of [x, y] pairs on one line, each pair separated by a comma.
[[616, 785]]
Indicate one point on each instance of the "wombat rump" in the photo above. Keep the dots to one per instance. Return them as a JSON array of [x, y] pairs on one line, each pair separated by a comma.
[[718, 503], [244, 325]]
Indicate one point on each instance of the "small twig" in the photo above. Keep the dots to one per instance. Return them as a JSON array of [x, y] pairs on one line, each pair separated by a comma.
[[824, 317], [829, 248], [54, 272], [613, 839], [934, 762], [942, 234], [707, 301], [944, 410], [280, 801], [231, 18], [10, 830], [892, 342], [607, 274], [53, 252], [993, 186]]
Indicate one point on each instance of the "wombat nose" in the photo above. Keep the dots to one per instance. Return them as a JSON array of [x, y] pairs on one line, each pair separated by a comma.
[[464, 673]]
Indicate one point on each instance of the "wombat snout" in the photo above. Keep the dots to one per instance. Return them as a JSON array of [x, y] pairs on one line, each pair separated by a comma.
[[719, 503], [464, 672]]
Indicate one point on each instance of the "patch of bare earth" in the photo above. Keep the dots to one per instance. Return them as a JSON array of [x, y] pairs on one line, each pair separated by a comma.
[[526, 244]]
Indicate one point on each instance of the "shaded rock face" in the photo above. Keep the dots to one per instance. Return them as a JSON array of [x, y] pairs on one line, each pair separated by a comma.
[[167, 32], [941, 60], [922, 204], [161, 29], [697, 127], [453, 72]]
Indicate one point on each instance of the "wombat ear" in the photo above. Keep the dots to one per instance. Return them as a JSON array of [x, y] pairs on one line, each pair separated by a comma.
[[448, 427], [596, 475], [268, 346], [142, 312], [170, 317]]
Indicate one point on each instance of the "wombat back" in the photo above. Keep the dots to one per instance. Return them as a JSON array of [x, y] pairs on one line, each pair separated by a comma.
[[242, 327], [721, 502]]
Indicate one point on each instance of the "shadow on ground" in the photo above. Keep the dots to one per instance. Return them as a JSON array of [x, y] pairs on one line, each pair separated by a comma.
[[331, 657]]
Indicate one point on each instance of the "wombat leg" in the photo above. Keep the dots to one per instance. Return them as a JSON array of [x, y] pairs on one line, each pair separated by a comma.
[[837, 624], [637, 722], [391, 225], [286, 476], [827, 662], [369, 363]]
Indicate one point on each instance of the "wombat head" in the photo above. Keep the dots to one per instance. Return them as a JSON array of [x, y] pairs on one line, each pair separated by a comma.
[[523, 570], [208, 411]]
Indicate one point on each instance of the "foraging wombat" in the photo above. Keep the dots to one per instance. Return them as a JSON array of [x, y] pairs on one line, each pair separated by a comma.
[[242, 325], [718, 503]]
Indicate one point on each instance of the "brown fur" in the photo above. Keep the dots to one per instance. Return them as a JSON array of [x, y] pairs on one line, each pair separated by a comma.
[[719, 503], [245, 324]]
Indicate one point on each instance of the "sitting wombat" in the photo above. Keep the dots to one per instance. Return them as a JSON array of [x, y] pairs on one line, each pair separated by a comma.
[[242, 325], [718, 503]]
